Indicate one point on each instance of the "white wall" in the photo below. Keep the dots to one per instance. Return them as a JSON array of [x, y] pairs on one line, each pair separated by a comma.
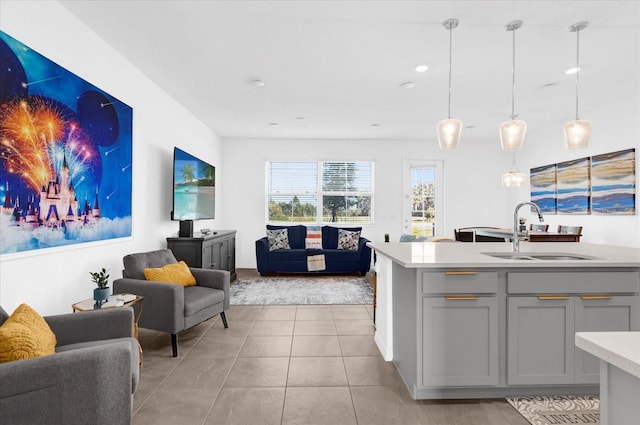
[[51, 280], [615, 127], [474, 196]]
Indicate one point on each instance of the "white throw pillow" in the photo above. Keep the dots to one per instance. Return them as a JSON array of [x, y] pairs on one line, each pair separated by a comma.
[[278, 239], [348, 240]]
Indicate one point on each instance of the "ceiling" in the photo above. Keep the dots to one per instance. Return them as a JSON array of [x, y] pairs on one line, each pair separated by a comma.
[[340, 65]]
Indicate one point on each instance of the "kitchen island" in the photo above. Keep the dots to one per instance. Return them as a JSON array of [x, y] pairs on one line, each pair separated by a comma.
[[472, 320], [619, 354]]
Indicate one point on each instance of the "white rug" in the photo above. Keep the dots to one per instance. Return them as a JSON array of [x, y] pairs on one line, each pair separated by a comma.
[[552, 410], [301, 290]]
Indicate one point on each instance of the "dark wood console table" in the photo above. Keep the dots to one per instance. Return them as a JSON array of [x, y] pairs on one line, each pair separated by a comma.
[[214, 251]]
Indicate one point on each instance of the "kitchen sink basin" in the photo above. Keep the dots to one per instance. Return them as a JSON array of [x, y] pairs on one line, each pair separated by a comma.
[[543, 256], [509, 255]]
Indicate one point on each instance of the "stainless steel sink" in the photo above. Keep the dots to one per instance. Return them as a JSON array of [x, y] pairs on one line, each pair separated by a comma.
[[543, 256], [560, 257], [509, 255]]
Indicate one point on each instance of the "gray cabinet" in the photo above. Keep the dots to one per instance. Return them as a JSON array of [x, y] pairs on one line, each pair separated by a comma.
[[459, 328], [540, 340], [216, 251], [601, 313], [459, 341]]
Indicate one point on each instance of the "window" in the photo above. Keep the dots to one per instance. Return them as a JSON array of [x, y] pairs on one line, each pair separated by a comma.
[[422, 206], [319, 192]]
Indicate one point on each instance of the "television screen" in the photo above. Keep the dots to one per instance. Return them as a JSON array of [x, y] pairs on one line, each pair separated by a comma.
[[194, 187]]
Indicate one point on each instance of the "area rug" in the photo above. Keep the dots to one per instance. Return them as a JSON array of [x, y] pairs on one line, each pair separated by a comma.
[[301, 290], [553, 410]]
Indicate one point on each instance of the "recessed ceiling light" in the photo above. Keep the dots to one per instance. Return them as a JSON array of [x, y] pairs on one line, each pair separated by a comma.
[[571, 71], [274, 124], [301, 118], [408, 85], [257, 83], [422, 68]]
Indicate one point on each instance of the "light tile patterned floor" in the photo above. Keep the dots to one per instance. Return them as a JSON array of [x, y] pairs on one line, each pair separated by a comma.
[[288, 365]]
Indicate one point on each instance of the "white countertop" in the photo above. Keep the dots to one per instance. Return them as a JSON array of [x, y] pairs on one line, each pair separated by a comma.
[[461, 254], [621, 349]]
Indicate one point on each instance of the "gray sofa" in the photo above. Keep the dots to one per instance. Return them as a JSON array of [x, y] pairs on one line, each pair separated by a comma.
[[169, 307], [90, 380]]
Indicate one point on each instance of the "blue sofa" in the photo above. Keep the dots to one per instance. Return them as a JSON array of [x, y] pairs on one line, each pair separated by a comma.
[[294, 260]]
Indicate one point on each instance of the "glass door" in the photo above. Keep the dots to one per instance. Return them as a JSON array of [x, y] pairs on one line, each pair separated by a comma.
[[422, 198]]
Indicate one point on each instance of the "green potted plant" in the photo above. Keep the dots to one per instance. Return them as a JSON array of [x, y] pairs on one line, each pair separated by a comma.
[[101, 293]]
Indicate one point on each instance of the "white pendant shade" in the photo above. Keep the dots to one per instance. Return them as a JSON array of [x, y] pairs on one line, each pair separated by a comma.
[[449, 132], [512, 134], [577, 134], [513, 178]]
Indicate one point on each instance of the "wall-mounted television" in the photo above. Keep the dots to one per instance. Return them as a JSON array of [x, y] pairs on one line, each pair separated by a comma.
[[194, 187]]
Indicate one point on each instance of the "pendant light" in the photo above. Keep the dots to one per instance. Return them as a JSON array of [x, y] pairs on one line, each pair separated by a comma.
[[513, 178], [578, 132], [512, 132], [449, 130]]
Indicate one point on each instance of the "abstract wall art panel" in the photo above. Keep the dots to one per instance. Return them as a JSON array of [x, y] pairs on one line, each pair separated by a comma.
[[65, 155], [543, 188], [613, 183], [574, 194]]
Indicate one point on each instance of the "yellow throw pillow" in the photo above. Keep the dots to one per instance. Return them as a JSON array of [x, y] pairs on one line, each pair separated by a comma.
[[177, 273], [25, 334]]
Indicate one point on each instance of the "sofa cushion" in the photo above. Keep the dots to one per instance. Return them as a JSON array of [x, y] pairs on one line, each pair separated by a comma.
[[330, 235], [134, 264], [198, 298], [288, 255], [24, 335], [347, 240], [278, 239], [296, 234], [177, 273]]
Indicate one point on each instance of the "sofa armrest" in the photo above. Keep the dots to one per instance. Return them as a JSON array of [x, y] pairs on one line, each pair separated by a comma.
[[365, 254], [216, 279], [163, 304], [92, 325], [86, 386], [262, 250]]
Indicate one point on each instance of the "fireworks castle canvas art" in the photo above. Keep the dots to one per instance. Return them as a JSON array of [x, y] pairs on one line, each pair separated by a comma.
[[65, 155]]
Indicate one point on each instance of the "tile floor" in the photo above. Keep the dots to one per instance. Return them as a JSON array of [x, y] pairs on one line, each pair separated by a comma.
[[288, 365]]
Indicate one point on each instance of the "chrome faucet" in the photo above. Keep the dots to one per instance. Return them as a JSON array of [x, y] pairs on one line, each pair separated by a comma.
[[515, 240]]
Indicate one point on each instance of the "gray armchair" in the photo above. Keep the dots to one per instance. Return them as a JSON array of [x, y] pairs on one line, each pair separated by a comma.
[[169, 307], [90, 380]]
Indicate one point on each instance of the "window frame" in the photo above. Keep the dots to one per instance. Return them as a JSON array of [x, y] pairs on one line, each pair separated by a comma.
[[320, 194]]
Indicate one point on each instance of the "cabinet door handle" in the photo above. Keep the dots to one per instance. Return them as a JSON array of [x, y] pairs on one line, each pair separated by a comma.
[[460, 298], [595, 297], [459, 272], [553, 297]]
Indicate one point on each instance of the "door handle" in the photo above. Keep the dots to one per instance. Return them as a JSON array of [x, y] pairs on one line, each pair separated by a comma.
[[553, 297], [460, 273], [461, 298], [596, 297]]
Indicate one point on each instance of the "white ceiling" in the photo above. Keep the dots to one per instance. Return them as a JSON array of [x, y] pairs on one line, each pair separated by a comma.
[[341, 64]]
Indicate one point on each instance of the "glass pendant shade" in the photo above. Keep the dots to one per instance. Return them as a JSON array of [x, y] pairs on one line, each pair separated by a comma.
[[512, 134], [449, 132], [577, 134], [513, 178]]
